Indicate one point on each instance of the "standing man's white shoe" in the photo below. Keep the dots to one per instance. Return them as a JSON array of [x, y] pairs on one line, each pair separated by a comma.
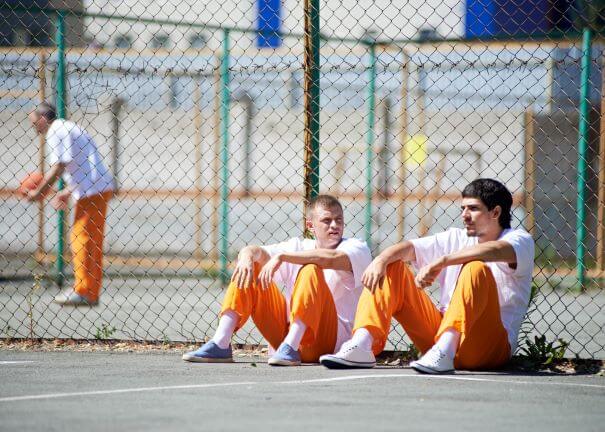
[[434, 361], [350, 356]]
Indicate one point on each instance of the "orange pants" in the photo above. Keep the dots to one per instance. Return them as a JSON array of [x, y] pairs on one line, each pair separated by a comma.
[[474, 311], [311, 302], [87, 236]]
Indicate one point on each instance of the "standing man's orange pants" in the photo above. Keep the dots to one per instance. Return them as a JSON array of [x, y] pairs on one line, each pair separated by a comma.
[[474, 311], [87, 234], [311, 302]]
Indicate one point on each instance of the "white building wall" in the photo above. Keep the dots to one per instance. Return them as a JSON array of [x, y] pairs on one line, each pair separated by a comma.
[[339, 18]]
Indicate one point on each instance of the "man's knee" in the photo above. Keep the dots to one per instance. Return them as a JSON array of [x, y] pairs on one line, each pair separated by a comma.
[[309, 270], [474, 268]]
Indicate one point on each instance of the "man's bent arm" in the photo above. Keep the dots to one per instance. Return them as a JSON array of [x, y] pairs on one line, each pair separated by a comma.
[[403, 251], [50, 178], [255, 253], [374, 275], [324, 258], [492, 251]]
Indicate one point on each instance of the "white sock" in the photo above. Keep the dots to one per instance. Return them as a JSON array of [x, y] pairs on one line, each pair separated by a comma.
[[363, 338], [224, 331], [448, 342], [295, 334]]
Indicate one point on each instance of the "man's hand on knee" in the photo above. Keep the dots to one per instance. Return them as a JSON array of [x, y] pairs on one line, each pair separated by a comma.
[[426, 275], [244, 271], [266, 274], [374, 275]]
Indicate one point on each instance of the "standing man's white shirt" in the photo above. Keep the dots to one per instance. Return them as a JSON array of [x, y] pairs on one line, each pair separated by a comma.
[[85, 173], [346, 287], [514, 285]]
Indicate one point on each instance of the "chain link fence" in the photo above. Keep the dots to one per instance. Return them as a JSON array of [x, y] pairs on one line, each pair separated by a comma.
[[199, 110]]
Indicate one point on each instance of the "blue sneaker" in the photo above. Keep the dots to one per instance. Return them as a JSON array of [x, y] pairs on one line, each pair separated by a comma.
[[285, 356], [210, 353]]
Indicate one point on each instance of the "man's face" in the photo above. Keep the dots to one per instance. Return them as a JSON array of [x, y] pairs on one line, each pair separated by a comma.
[[327, 224], [39, 122], [477, 219]]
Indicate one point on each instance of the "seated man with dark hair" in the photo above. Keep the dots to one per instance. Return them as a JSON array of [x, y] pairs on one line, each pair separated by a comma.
[[322, 281], [484, 272]]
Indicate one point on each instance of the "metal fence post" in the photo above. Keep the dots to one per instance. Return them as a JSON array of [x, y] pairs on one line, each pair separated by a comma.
[[60, 40], [370, 142], [403, 137], [41, 152], [225, 96], [582, 151], [312, 106], [601, 177]]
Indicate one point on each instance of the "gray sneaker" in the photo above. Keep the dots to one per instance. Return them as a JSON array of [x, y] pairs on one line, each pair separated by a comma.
[[72, 298], [285, 356], [210, 353]]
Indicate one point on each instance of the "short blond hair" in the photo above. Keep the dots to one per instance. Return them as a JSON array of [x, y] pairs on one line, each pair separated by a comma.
[[325, 201]]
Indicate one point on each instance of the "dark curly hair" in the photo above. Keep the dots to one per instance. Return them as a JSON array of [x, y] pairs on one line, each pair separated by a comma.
[[492, 193]]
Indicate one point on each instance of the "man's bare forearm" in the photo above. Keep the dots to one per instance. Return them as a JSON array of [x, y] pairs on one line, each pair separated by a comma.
[[50, 178], [493, 251], [403, 251], [255, 253], [324, 258]]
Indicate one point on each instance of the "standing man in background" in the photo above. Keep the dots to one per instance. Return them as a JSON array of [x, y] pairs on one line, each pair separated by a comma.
[[75, 156]]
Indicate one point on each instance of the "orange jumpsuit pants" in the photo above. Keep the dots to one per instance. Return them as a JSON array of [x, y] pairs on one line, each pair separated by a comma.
[[87, 234], [474, 311], [311, 302]]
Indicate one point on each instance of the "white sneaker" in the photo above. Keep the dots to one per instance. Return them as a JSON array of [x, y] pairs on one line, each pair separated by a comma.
[[434, 361], [349, 356]]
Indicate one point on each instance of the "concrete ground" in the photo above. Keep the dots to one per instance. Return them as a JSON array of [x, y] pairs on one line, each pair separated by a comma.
[[102, 391]]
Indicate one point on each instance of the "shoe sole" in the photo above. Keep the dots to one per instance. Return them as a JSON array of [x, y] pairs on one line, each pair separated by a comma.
[[430, 371], [194, 359], [338, 363], [281, 362]]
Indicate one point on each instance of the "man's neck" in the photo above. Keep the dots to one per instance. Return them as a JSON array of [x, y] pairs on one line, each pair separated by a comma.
[[491, 235]]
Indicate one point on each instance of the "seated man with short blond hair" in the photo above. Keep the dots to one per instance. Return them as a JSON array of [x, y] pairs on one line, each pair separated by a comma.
[[322, 281]]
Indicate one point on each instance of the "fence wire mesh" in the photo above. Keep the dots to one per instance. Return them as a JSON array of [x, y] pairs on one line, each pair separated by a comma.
[[198, 110]]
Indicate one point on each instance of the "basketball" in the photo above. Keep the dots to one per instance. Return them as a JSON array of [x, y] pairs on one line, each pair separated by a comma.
[[30, 182]]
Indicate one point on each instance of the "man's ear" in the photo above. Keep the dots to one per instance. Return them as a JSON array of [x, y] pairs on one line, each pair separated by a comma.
[[309, 225], [497, 211]]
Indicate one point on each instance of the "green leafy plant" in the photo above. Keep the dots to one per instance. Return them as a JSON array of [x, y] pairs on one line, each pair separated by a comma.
[[165, 339], [527, 326], [105, 332], [540, 354], [9, 332], [413, 352]]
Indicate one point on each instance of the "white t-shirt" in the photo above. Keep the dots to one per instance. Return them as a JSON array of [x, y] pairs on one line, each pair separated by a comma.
[[345, 286], [84, 172], [514, 285]]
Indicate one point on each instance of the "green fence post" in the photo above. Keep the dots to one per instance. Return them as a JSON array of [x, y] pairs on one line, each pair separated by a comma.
[[60, 40], [312, 106], [370, 142], [582, 150], [225, 96]]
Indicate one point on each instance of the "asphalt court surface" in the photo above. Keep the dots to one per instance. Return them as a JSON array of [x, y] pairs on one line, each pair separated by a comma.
[[157, 391]]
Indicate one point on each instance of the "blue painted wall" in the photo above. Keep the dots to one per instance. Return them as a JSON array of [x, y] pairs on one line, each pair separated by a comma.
[[268, 18], [510, 17]]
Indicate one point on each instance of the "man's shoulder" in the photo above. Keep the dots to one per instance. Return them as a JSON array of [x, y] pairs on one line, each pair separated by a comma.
[[353, 242], [451, 233], [62, 126], [517, 234]]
